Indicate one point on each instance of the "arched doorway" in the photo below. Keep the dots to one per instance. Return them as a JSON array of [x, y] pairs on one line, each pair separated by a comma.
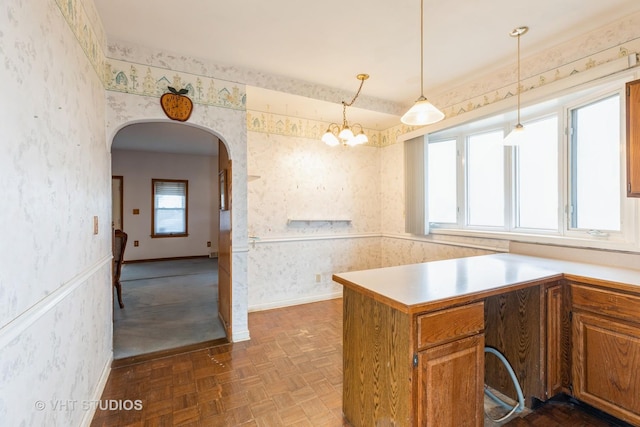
[[169, 152]]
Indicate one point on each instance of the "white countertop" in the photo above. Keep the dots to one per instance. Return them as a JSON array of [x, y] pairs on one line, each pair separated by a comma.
[[447, 282]]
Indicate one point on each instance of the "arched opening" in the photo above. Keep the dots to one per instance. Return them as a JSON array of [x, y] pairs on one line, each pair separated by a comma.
[[169, 204]]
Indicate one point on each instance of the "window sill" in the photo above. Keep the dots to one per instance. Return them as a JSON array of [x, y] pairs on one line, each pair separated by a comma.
[[554, 240]]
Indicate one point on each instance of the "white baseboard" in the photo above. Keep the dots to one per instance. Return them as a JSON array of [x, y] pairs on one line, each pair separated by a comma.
[[297, 301], [240, 336], [97, 393]]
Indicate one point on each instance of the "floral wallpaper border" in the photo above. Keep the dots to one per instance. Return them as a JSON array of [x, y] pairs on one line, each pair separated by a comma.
[[121, 76], [539, 80], [139, 79], [80, 24], [277, 124]]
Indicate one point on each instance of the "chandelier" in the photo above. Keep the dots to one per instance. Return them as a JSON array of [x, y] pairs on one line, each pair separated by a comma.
[[336, 135]]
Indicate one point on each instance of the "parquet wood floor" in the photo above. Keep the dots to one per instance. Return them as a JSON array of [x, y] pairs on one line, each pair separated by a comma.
[[289, 374]]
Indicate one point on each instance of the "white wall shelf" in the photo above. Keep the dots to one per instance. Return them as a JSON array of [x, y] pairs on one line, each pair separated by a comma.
[[309, 221]]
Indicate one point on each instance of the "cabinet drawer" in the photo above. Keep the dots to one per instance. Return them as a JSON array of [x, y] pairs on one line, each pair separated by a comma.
[[447, 325], [606, 302]]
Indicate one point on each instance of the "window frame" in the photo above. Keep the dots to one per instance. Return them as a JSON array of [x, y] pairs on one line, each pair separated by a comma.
[[153, 209], [516, 228], [627, 225], [557, 103], [505, 183], [459, 181]]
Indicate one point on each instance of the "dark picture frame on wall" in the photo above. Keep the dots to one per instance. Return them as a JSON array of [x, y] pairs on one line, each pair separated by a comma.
[[222, 190]]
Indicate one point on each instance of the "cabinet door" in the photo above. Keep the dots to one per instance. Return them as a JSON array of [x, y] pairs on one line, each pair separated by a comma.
[[633, 138], [450, 384], [606, 365]]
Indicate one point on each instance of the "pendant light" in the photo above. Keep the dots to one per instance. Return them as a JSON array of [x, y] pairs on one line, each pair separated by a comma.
[[517, 135], [423, 112]]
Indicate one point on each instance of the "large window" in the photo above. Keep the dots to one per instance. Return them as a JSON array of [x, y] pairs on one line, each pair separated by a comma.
[[169, 208], [442, 181], [536, 176], [485, 179], [595, 147], [564, 180]]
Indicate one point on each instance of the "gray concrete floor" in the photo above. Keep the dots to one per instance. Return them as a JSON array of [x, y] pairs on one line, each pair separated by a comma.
[[167, 305]]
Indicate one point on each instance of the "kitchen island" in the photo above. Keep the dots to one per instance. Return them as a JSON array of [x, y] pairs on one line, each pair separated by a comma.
[[414, 337]]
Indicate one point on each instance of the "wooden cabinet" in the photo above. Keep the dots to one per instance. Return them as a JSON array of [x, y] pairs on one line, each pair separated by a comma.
[[606, 350], [401, 369], [450, 369], [633, 138], [413, 357], [377, 363]]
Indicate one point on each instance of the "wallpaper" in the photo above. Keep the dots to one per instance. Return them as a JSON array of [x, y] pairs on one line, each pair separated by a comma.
[[55, 285], [606, 44]]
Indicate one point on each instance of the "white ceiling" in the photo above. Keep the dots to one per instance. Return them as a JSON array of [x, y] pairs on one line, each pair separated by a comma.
[[329, 42]]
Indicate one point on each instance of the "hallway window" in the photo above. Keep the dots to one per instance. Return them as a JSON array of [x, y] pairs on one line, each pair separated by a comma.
[[169, 208]]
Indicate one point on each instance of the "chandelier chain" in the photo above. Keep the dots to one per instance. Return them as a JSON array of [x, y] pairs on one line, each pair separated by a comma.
[[362, 78]]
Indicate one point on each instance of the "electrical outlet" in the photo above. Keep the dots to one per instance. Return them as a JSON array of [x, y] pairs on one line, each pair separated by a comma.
[[136, 243], [208, 244], [318, 278]]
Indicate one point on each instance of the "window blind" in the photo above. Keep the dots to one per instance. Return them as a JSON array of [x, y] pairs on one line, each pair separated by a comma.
[[415, 186], [169, 188]]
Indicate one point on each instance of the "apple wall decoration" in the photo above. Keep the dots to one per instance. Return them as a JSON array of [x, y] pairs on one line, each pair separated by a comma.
[[176, 105]]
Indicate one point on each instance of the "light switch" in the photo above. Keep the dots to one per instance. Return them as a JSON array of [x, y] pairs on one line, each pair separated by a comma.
[[95, 225], [136, 211]]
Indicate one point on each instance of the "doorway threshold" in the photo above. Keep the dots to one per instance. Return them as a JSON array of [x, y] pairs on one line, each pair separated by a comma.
[[133, 360]]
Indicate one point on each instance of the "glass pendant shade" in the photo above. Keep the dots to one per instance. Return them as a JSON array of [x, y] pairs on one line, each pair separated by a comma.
[[361, 138], [330, 139], [422, 113], [516, 136], [346, 134]]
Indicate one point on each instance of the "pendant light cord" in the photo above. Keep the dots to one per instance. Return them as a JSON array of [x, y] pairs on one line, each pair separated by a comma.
[[421, 48], [519, 78]]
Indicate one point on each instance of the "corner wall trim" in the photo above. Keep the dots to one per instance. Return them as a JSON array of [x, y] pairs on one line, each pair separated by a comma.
[[23, 321]]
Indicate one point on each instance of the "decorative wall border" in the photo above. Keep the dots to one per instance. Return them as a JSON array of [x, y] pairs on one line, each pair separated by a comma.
[[146, 80], [139, 79], [538, 80], [277, 124], [80, 25]]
